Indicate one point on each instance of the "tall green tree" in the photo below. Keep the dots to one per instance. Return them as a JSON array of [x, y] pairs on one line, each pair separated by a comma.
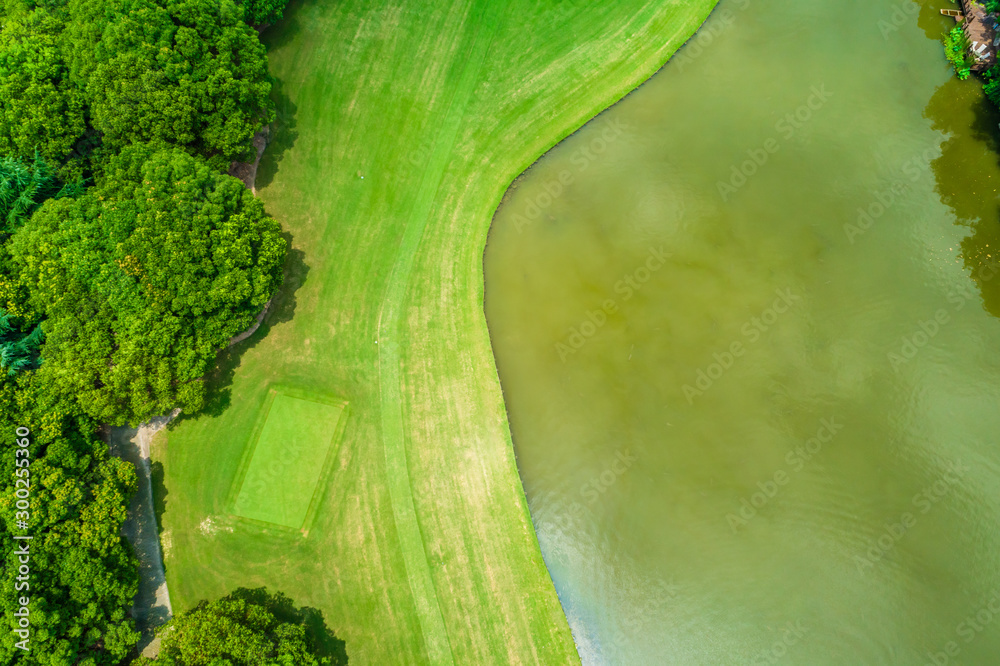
[[183, 72], [40, 108], [264, 12], [246, 628], [991, 83], [19, 351], [24, 187], [144, 279]]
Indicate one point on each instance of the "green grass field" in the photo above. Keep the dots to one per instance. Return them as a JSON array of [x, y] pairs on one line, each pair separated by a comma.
[[285, 459], [401, 125]]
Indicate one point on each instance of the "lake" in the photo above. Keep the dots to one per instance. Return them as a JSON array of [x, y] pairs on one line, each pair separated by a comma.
[[746, 327]]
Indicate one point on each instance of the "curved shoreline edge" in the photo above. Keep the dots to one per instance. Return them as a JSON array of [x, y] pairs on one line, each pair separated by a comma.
[[648, 69]]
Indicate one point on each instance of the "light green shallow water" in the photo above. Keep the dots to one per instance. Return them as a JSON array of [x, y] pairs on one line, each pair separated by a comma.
[[818, 500]]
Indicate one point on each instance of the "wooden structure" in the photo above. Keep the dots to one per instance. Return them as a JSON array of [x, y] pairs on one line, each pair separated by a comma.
[[981, 29]]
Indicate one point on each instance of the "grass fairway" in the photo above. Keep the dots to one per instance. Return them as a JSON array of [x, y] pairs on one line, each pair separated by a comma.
[[401, 124], [285, 459]]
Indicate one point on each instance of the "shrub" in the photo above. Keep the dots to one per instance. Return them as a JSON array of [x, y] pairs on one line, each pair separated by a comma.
[[956, 49]]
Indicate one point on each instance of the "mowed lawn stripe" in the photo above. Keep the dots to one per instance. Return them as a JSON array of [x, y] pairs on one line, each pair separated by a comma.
[[483, 24]]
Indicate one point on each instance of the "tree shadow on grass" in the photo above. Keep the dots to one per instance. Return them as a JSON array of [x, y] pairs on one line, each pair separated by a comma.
[[318, 635], [294, 276], [218, 384], [283, 134], [285, 31], [159, 493], [159, 488]]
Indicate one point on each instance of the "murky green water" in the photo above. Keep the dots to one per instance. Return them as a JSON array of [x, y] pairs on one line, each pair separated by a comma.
[[757, 423]]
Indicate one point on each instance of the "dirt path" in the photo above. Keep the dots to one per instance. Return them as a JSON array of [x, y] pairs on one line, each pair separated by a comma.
[[151, 607], [247, 171], [236, 339]]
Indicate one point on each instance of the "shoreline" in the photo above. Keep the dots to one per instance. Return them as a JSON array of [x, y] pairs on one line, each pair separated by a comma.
[[650, 69]]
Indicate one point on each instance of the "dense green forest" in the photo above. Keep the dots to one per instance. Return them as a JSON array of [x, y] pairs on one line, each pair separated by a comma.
[[128, 259]]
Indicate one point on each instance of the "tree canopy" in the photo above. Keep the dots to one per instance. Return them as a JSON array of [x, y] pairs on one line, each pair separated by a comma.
[[79, 75], [182, 72], [24, 188], [264, 12], [246, 628], [40, 109], [142, 280], [19, 351], [83, 575]]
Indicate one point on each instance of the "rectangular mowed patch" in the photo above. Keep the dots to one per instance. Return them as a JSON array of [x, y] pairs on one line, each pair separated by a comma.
[[287, 459]]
